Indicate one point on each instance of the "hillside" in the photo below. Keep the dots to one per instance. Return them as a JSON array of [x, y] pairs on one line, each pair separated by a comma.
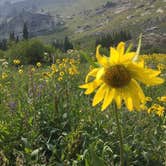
[[84, 19]]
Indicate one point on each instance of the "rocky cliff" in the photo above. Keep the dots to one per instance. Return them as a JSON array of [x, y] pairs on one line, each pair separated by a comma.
[[38, 24]]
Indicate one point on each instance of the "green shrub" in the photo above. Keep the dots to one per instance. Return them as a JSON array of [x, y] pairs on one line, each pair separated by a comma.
[[2, 54], [29, 52]]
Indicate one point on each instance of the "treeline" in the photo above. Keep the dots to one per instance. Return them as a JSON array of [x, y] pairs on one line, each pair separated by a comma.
[[63, 45], [6, 43], [3, 44], [30, 51], [112, 39]]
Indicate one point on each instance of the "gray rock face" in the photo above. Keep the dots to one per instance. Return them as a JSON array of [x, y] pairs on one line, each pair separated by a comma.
[[38, 24], [14, 13]]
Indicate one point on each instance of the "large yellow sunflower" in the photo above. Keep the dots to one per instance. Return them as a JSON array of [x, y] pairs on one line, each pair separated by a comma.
[[116, 79]]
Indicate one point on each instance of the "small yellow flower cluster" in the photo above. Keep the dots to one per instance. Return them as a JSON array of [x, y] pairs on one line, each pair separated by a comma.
[[38, 64], [162, 99], [157, 109], [73, 70], [4, 75], [161, 66], [66, 66], [148, 99], [20, 71], [46, 74], [156, 60], [54, 68], [16, 61], [52, 71], [33, 69]]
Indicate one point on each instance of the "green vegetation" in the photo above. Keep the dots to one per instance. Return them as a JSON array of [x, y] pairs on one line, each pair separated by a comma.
[[29, 52], [63, 45], [107, 40], [45, 119], [25, 32]]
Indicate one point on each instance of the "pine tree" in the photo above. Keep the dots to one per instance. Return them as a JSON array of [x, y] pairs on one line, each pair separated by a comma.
[[25, 32], [3, 44], [12, 36], [17, 39], [112, 39], [67, 44]]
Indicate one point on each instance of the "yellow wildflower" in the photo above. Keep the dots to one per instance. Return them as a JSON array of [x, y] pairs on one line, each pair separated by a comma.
[[162, 98], [116, 79], [148, 99], [73, 70], [157, 109], [160, 111], [16, 61], [54, 68], [61, 73], [60, 78], [20, 71], [61, 65], [72, 61], [161, 66], [38, 64], [58, 61], [47, 75], [4, 75], [33, 69]]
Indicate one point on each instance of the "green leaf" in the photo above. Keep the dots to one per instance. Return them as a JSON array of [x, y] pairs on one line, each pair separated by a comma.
[[95, 160], [89, 59], [129, 48]]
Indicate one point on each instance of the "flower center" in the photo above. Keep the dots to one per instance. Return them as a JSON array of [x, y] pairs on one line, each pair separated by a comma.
[[117, 76]]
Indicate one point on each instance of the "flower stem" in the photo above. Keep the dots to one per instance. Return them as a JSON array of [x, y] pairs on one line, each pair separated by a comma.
[[120, 136]]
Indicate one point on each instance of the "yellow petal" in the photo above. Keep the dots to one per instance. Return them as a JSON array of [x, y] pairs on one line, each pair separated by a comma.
[[138, 90], [146, 76], [129, 102], [136, 94], [121, 48], [99, 95], [103, 60], [141, 63], [100, 73], [154, 73], [133, 96], [91, 73], [108, 98], [127, 57], [91, 86], [114, 56], [127, 98], [118, 97]]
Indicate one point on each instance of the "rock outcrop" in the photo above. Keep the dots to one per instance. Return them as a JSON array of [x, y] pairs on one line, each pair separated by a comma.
[[38, 24]]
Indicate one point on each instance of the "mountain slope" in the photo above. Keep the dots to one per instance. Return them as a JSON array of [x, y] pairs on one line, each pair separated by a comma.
[[84, 19]]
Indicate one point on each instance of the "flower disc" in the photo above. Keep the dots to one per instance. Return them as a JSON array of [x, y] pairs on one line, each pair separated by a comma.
[[117, 76]]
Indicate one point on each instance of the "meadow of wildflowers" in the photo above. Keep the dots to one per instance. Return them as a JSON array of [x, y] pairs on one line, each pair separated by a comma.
[[46, 120]]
